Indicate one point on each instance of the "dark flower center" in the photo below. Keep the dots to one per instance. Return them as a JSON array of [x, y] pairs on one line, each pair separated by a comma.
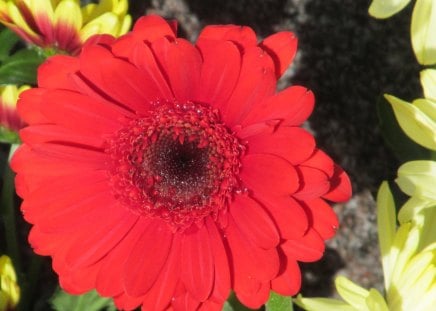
[[179, 163]]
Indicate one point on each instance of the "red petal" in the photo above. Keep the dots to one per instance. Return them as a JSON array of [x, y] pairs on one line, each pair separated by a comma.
[[152, 27], [82, 113], [268, 174], [292, 106], [321, 161], [55, 72], [244, 36], [219, 73], [308, 248], [118, 79], [253, 222], [322, 217], [340, 189], [198, 265], [181, 63], [147, 258], [249, 262], [184, 302], [162, 292], [288, 283], [282, 46], [288, 215], [293, 144], [126, 302], [221, 289], [314, 183], [256, 82], [255, 301], [29, 106], [108, 280]]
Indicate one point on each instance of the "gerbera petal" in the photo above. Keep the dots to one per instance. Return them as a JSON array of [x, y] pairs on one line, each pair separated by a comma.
[[161, 294], [293, 144], [56, 72], [288, 282], [268, 174], [221, 289], [81, 113], [112, 267], [313, 183], [255, 301], [243, 36], [253, 222], [124, 301], [256, 82], [181, 63], [249, 262], [340, 186], [153, 27], [119, 79], [288, 214], [219, 73], [185, 302], [282, 47], [29, 106], [67, 23], [148, 256], [198, 264], [322, 217], [308, 248], [292, 106], [321, 161]]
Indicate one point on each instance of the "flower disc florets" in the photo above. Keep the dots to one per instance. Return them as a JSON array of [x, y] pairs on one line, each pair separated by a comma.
[[179, 163]]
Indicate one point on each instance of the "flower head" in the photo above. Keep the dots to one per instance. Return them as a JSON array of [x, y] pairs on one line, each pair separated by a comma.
[[409, 266], [165, 174], [8, 101], [63, 24], [9, 290]]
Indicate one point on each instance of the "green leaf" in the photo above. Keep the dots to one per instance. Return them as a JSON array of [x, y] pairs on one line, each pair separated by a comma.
[[277, 302], [91, 301], [233, 304], [8, 137], [20, 68], [404, 148], [8, 40]]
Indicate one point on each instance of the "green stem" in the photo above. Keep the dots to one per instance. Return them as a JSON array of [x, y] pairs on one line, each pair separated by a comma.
[[9, 214]]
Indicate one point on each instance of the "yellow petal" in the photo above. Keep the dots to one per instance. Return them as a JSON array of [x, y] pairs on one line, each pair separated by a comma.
[[375, 301], [418, 178], [68, 13], [107, 23], [414, 209], [352, 293], [423, 31], [427, 106], [386, 8], [428, 81], [18, 19], [386, 226], [325, 304], [414, 122]]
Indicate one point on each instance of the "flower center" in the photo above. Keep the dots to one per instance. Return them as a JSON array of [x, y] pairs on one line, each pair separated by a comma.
[[179, 163]]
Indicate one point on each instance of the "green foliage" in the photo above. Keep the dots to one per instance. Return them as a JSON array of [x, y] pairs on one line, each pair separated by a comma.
[[91, 301], [277, 302], [8, 137], [17, 67]]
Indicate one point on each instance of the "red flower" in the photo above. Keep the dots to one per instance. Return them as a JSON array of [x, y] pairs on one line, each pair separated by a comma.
[[166, 174]]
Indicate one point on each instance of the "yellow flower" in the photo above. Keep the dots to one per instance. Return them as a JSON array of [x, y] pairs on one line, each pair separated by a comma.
[[64, 25], [423, 31], [8, 103], [428, 82], [386, 8], [418, 119], [9, 290], [409, 266]]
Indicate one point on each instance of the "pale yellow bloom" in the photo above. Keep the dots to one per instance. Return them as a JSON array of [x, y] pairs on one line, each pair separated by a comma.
[[63, 24], [9, 290], [417, 119], [8, 106], [423, 31], [428, 82], [409, 266], [386, 8]]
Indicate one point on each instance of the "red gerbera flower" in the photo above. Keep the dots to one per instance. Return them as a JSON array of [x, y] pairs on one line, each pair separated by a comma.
[[166, 174]]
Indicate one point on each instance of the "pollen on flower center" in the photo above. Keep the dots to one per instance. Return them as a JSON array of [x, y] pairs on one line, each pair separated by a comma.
[[179, 163]]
